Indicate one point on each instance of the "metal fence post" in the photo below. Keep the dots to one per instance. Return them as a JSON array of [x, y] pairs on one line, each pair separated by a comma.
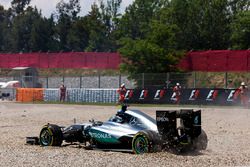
[[80, 81], [33, 82], [120, 80], [99, 80], [143, 79], [168, 82], [225, 79], [47, 82], [194, 79]]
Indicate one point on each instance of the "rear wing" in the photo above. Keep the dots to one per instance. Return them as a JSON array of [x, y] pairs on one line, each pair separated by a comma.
[[190, 122]]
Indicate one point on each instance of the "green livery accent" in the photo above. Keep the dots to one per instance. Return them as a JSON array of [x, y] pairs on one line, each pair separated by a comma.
[[103, 137]]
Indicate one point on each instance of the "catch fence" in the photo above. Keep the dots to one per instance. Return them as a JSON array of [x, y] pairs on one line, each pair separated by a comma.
[[221, 80], [143, 80]]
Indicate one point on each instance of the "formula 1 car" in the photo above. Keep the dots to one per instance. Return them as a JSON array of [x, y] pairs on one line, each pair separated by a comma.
[[131, 130]]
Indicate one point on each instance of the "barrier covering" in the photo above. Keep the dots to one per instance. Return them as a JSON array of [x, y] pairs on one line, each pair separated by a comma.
[[212, 60], [216, 61], [141, 96], [149, 96], [29, 94], [188, 96], [61, 60]]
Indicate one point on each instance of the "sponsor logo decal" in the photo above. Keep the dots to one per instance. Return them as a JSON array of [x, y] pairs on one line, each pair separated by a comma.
[[231, 95], [173, 97], [194, 94], [159, 94], [129, 94], [100, 135], [144, 94], [212, 95], [162, 119], [196, 120]]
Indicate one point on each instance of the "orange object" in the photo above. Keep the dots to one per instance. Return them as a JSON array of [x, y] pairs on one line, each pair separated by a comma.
[[29, 94], [122, 92]]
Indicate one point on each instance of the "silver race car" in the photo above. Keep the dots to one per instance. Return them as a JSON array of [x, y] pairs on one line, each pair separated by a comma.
[[132, 131]]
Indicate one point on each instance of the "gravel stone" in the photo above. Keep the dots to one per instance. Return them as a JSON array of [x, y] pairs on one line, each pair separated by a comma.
[[228, 131]]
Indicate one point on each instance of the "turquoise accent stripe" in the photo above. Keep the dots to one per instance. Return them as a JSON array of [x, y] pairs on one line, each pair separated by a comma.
[[103, 137]]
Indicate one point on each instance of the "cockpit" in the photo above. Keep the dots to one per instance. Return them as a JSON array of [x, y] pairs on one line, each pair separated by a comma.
[[128, 119]]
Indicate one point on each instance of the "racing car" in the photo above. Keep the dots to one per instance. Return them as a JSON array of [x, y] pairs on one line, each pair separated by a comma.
[[132, 131]]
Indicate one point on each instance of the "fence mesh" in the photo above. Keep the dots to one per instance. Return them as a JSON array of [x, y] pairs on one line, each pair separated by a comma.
[[143, 80]]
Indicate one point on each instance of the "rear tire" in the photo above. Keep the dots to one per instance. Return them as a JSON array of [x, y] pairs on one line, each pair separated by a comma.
[[146, 141], [140, 143], [200, 143], [51, 135]]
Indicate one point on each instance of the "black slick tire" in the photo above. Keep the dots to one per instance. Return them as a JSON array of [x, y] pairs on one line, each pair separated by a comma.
[[51, 135]]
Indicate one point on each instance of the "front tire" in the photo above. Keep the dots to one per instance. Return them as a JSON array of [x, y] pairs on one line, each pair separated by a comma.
[[51, 135]]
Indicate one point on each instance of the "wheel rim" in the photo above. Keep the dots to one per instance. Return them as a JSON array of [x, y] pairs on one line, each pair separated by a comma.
[[141, 145], [46, 137]]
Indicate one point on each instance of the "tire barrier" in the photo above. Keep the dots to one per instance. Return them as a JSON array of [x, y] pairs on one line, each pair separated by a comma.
[[188, 96], [8, 94], [83, 95], [29, 94], [51, 95]]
